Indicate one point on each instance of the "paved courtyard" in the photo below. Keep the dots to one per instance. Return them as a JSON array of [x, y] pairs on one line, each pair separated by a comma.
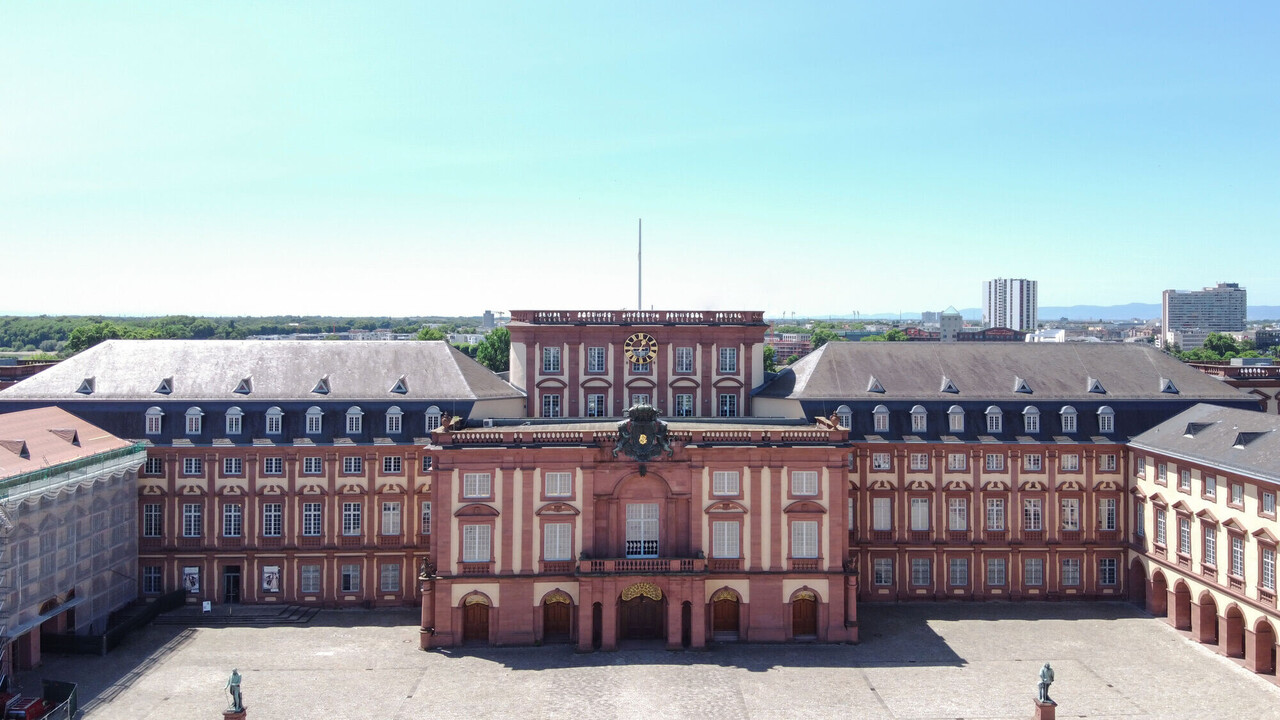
[[915, 661]]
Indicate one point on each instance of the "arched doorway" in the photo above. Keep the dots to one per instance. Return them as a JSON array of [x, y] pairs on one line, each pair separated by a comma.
[[804, 615], [1158, 598], [641, 610], [1264, 641], [1180, 616], [1206, 623], [557, 617], [1232, 635], [475, 620], [1138, 583], [726, 615]]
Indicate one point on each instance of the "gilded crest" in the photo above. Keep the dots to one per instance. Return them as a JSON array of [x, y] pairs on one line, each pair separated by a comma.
[[642, 436]]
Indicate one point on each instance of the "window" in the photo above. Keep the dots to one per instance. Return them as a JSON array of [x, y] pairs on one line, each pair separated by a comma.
[[919, 461], [1140, 519], [154, 466], [1031, 420], [1237, 494], [725, 482], [273, 466], [309, 579], [195, 418], [1070, 571], [1032, 462], [920, 571], [956, 461], [427, 463], [1033, 571], [557, 484], [234, 418], [852, 515], [1032, 515], [1068, 419], [352, 465], [1210, 486], [1107, 514], [351, 517], [995, 514], [684, 360], [639, 399], [728, 405], [595, 360], [880, 419], [551, 405], [1107, 571], [1107, 462], [957, 514], [595, 405], [642, 367], [995, 420], [1237, 556], [272, 516], [312, 465], [728, 361], [311, 519], [1269, 503], [550, 359], [1184, 481], [232, 466], [1106, 420], [192, 466], [724, 539], [350, 578], [1140, 466], [955, 419], [392, 464], [1161, 477], [881, 461], [390, 518], [684, 405], [314, 417], [1161, 526], [919, 514], [232, 521], [154, 416], [804, 482], [355, 420], [642, 530], [995, 572], [882, 571], [475, 543], [1184, 536], [995, 462], [151, 582], [275, 420], [1269, 569], [1070, 462], [958, 572], [1210, 549], [434, 417], [152, 520], [844, 416], [882, 514], [1070, 514], [389, 580], [477, 485], [395, 421]]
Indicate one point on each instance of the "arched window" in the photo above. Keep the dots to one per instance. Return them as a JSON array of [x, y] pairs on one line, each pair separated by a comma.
[[1030, 419], [880, 416], [844, 416], [1068, 414], [235, 417], [1106, 419], [394, 417], [433, 418], [315, 416], [195, 420], [275, 420], [919, 419], [355, 420], [955, 418], [154, 416], [995, 420]]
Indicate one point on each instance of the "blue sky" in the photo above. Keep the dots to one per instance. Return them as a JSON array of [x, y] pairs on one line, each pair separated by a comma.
[[432, 158]]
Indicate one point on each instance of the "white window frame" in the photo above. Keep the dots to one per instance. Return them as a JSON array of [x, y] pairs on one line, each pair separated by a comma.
[[882, 514], [1070, 462], [477, 485], [1033, 572], [597, 360], [804, 539], [312, 465], [881, 461], [192, 520], [308, 579], [394, 420], [958, 572], [1108, 571], [919, 419], [995, 462], [596, 405], [557, 484], [1210, 486], [995, 514], [919, 461], [551, 359], [1107, 462], [234, 421], [1209, 545], [350, 578], [957, 462], [1071, 572], [352, 519], [1267, 580], [995, 420], [729, 404], [957, 514], [194, 420], [955, 419], [996, 572], [352, 465], [232, 520], [192, 466], [154, 466], [920, 515], [1237, 556], [1184, 480], [433, 416], [1032, 515], [355, 420], [726, 482], [684, 360], [880, 419], [1069, 515], [550, 405], [392, 465], [477, 543], [425, 528], [391, 516], [1070, 419], [921, 572], [273, 465], [389, 577], [1108, 517], [1033, 462], [726, 539], [804, 482], [233, 466], [312, 519], [272, 519], [557, 541], [684, 405], [728, 361], [154, 420], [315, 420], [275, 421], [1031, 420], [152, 520], [882, 572], [1268, 503], [1106, 420]]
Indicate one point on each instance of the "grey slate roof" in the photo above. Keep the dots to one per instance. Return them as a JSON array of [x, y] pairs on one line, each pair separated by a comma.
[[278, 370], [1242, 441], [915, 370]]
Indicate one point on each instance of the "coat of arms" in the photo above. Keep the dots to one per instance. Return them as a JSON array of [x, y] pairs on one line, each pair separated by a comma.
[[642, 435]]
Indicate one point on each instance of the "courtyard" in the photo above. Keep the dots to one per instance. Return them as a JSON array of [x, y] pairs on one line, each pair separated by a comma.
[[915, 661]]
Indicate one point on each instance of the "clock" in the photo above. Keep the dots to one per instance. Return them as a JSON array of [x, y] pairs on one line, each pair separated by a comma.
[[641, 348]]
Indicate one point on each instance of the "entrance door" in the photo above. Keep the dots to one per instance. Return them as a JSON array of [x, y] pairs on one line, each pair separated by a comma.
[[475, 623], [231, 584], [642, 530], [804, 618], [641, 619], [724, 617], [556, 621]]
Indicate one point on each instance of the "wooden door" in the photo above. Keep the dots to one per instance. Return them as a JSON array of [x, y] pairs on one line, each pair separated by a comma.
[[724, 616], [641, 619], [556, 621], [804, 617], [231, 584], [475, 623]]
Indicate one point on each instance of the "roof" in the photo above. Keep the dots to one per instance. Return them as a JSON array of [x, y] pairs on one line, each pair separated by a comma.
[[990, 371], [1242, 441], [32, 440], [265, 370]]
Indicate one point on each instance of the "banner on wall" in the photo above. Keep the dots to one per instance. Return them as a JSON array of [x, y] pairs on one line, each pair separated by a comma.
[[271, 578], [191, 579]]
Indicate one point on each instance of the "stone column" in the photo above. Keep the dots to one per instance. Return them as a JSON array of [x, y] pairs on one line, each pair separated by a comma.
[[675, 613], [426, 632], [851, 607]]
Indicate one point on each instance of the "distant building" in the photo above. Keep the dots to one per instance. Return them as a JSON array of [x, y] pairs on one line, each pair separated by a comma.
[[929, 318], [950, 325], [787, 344], [1259, 377], [1011, 303], [487, 322], [984, 335], [1266, 339], [1190, 315], [14, 371], [1054, 336]]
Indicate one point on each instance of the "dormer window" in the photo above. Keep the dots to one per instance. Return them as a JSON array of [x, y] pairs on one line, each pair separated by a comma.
[[433, 418], [322, 386], [245, 387], [955, 419], [1106, 420], [195, 420], [86, 386], [1068, 414], [1021, 386], [355, 420], [995, 420], [948, 386], [1095, 386], [844, 416], [1167, 386], [165, 387], [401, 387], [880, 418], [919, 419], [315, 417], [275, 420], [394, 420], [234, 420], [874, 386], [1031, 420], [154, 416]]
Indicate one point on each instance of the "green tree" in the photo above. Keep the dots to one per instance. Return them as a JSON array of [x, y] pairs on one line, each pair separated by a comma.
[[86, 336], [770, 356], [896, 335], [430, 333], [822, 336], [495, 352], [792, 359]]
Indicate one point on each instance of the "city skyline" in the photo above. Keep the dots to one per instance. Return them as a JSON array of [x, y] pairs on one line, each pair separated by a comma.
[[399, 160]]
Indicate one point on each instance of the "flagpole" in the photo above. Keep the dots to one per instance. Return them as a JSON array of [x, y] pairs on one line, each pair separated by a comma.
[[640, 264]]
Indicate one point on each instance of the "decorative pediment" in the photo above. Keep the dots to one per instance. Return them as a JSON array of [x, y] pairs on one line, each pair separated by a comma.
[[727, 382], [649, 590], [1072, 485], [150, 490], [313, 489], [684, 382], [804, 506], [1234, 524], [598, 382], [919, 484], [351, 489], [642, 383], [726, 506], [1207, 517], [270, 490], [192, 490], [476, 510], [957, 485], [551, 382], [1265, 535], [1182, 507], [1106, 485], [423, 487], [557, 596], [1137, 493], [995, 485], [391, 489], [1158, 500], [555, 508], [1031, 486], [231, 490], [881, 484]]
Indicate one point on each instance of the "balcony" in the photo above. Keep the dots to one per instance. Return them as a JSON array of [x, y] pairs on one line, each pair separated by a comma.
[[558, 567], [270, 542], [188, 543], [311, 542], [350, 541], [231, 543], [958, 537], [921, 536], [476, 568], [644, 566], [390, 541], [150, 543], [634, 317], [996, 537], [1266, 597], [806, 564], [1033, 537], [725, 564], [1108, 537], [882, 536], [1069, 537]]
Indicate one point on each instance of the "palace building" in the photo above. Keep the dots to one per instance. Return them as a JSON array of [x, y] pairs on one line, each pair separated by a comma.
[[639, 475]]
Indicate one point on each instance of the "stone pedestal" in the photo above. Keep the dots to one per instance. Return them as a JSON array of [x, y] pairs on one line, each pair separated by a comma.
[[1045, 710], [234, 714]]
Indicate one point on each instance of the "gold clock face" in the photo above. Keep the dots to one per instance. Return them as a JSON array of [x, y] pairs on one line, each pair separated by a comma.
[[641, 348]]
